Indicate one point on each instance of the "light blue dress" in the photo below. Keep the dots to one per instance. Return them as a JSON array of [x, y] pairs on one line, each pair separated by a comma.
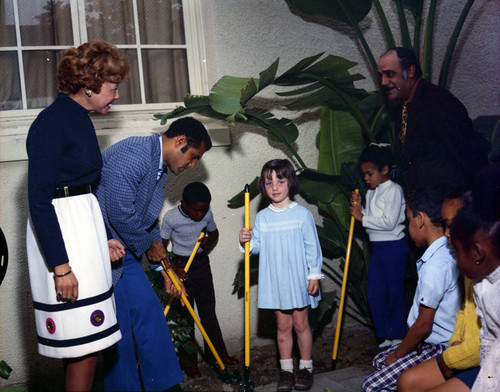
[[289, 252]]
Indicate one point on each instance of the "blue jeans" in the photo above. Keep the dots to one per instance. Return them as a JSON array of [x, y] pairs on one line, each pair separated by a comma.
[[386, 290], [145, 334]]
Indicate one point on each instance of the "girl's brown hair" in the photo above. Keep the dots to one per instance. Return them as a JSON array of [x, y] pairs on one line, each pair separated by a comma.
[[283, 169], [90, 65]]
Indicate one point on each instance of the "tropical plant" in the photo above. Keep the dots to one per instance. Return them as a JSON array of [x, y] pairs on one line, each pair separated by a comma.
[[350, 118], [5, 370], [179, 327]]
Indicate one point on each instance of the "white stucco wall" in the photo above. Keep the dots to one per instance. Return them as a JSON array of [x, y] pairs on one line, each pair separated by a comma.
[[243, 38]]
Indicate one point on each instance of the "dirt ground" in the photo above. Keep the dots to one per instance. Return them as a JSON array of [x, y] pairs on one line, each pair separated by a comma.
[[357, 348]]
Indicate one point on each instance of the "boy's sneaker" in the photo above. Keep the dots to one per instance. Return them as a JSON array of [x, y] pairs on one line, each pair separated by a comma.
[[304, 380], [385, 343], [395, 342], [286, 382]]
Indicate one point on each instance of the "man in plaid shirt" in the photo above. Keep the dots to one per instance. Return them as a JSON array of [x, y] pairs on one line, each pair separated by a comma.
[[130, 194]]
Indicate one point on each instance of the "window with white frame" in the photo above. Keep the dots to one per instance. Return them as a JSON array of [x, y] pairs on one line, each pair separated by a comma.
[[161, 39]]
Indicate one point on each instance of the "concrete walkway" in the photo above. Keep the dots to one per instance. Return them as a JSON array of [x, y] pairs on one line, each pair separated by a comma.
[[343, 380]]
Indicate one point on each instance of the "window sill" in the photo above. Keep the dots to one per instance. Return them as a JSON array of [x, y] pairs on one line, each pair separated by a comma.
[[111, 128]]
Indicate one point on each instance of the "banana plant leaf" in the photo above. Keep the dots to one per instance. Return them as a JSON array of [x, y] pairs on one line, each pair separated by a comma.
[[414, 6], [319, 186], [239, 200], [5, 370], [323, 314], [332, 67], [230, 94], [335, 9], [330, 238], [199, 104], [281, 130], [341, 140], [226, 94]]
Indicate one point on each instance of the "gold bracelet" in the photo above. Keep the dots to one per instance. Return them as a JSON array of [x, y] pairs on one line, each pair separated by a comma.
[[62, 275]]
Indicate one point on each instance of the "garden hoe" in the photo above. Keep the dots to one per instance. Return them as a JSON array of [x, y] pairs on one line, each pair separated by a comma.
[[342, 293], [246, 385], [229, 378], [188, 264]]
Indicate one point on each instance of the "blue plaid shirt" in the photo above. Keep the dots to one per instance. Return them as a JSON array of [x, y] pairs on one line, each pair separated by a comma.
[[129, 193]]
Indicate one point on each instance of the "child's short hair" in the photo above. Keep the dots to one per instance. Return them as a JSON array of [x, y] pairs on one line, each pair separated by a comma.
[[196, 192], [427, 200], [481, 209], [379, 155], [283, 169]]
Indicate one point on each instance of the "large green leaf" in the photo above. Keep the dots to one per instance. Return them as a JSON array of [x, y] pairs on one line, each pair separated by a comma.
[[194, 104], [333, 67], [239, 199], [281, 130], [5, 370], [323, 314], [267, 76], [319, 186], [331, 243], [225, 96], [299, 67], [341, 140], [414, 6], [333, 8]]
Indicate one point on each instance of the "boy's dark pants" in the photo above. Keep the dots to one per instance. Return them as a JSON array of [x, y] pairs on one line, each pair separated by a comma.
[[200, 289]]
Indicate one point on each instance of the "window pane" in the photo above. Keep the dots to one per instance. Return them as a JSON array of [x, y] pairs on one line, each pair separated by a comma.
[[7, 24], [165, 75], [161, 22], [10, 86], [40, 68], [110, 20], [130, 90], [45, 22]]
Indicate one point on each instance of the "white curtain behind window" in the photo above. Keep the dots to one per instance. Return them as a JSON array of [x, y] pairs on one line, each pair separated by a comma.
[[49, 23]]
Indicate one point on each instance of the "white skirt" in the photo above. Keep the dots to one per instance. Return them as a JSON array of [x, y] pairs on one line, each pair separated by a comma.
[[70, 330]]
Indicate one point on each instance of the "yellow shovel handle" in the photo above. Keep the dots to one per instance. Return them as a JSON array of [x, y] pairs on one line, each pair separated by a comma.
[[186, 269], [193, 315], [247, 279], [344, 286]]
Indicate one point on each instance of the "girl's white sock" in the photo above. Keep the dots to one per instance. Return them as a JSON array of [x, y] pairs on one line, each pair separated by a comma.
[[306, 365], [286, 365]]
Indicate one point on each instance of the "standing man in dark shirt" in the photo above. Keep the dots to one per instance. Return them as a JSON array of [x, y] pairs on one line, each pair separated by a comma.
[[435, 140]]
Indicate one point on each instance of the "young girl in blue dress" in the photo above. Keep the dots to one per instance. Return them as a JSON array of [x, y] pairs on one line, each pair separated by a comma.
[[290, 261], [383, 218]]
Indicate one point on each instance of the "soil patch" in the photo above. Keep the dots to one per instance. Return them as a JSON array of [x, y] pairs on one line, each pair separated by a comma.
[[357, 348]]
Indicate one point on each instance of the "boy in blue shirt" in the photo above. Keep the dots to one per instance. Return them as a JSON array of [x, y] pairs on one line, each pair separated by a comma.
[[437, 295], [182, 226]]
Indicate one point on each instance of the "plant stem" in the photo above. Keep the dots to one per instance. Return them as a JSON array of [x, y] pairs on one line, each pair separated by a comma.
[[445, 67], [361, 38], [278, 136], [429, 32], [385, 25], [353, 108], [405, 34]]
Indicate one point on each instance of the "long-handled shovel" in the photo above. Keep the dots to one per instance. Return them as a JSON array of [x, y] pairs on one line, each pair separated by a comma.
[[344, 287], [246, 385], [228, 378], [186, 267]]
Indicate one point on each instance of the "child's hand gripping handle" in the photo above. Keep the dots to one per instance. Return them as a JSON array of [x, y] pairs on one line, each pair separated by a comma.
[[193, 315], [186, 268]]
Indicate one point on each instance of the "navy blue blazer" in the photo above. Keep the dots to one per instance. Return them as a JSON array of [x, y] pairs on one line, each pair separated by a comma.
[[129, 193]]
